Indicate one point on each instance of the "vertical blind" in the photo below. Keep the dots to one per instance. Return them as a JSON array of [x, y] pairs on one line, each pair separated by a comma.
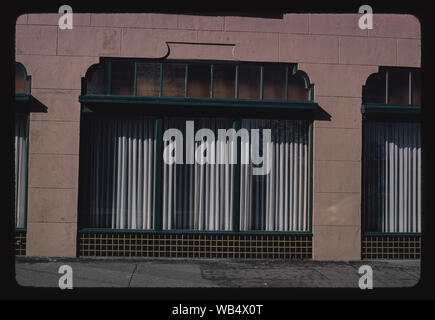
[[119, 174], [392, 177], [199, 196], [277, 201], [20, 169]]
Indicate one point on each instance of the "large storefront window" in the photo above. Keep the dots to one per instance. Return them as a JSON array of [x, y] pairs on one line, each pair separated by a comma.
[[391, 190], [128, 106], [22, 109], [22, 96]]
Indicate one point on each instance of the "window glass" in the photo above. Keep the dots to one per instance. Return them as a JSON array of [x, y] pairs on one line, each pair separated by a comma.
[[224, 76], [199, 80], [375, 88], [416, 87], [122, 78], [198, 196], [392, 177], [274, 82], [97, 79], [398, 87], [296, 88], [275, 198], [20, 169], [20, 81], [249, 81], [117, 190], [148, 79], [174, 80]]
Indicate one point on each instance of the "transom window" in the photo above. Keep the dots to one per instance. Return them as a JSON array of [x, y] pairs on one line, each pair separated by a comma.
[[217, 80], [393, 86]]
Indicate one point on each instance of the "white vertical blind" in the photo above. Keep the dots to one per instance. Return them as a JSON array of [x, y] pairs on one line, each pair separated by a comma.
[[120, 173], [277, 201], [392, 177], [20, 169], [199, 196]]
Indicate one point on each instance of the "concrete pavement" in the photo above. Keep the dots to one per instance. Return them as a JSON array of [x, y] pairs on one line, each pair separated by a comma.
[[189, 273]]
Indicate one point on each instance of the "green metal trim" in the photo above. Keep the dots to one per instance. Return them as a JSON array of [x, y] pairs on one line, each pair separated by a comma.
[[293, 66], [158, 174], [286, 82], [207, 102], [311, 177], [186, 80], [393, 234], [135, 79], [236, 182], [22, 97], [236, 83], [380, 108], [211, 81], [261, 82], [178, 231], [161, 80], [363, 156], [109, 79], [20, 230], [27, 171], [386, 87], [410, 87]]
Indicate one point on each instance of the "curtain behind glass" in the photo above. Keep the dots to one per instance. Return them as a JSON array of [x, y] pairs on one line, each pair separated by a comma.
[[118, 186], [198, 196], [392, 177], [277, 201], [20, 169]]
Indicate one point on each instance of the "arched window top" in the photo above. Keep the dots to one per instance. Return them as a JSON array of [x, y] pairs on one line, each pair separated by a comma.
[[212, 81], [22, 80], [394, 86]]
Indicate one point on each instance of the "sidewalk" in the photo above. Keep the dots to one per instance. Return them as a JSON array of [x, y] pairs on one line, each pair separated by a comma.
[[165, 272]]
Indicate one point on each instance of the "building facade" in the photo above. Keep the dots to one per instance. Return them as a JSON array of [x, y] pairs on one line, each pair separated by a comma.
[[94, 103]]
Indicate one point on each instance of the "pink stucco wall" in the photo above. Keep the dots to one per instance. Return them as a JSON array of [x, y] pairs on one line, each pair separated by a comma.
[[337, 56]]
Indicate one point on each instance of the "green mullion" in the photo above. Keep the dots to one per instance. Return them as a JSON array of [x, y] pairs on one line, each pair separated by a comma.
[[158, 170], [190, 231], [236, 93], [27, 171], [310, 184], [236, 181], [186, 80], [109, 80], [386, 87], [211, 80], [286, 83], [392, 234], [135, 79], [261, 82], [410, 87], [161, 80]]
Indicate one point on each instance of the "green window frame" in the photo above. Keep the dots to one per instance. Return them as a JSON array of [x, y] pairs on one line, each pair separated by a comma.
[[387, 112], [234, 108]]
